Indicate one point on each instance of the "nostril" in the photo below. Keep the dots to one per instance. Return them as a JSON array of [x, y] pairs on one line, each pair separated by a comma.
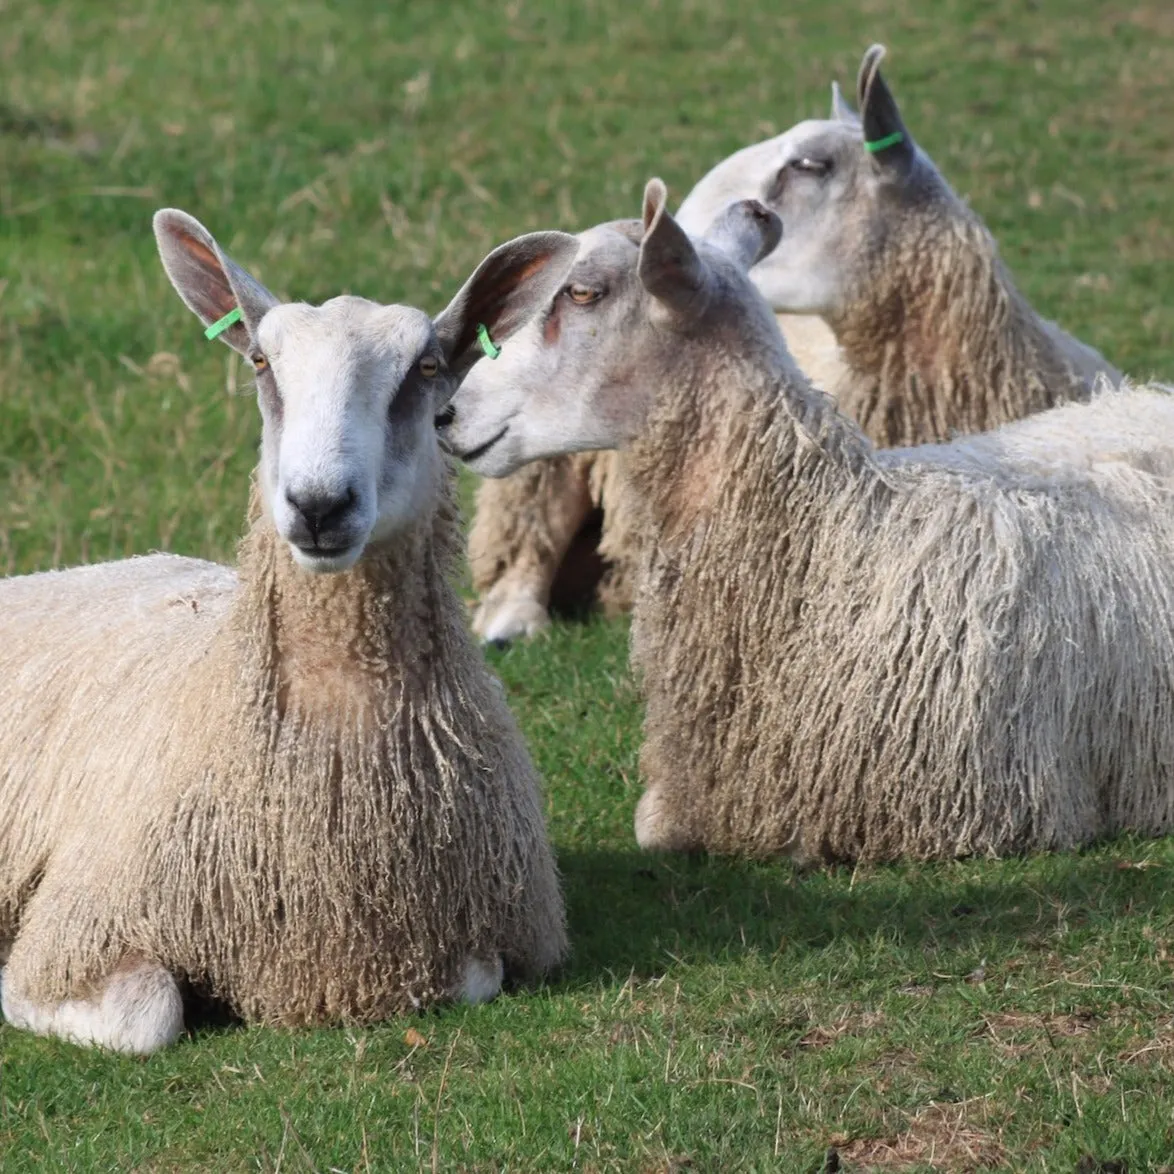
[[445, 416], [321, 511]]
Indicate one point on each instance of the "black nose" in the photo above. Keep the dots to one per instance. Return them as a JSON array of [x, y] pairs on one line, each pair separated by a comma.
[[445, 416], [321, 512]]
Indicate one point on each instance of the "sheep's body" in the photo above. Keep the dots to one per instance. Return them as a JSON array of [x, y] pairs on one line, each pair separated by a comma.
[[933, 652], [312, 799], [295, 786], [851, 653], [525, 525]]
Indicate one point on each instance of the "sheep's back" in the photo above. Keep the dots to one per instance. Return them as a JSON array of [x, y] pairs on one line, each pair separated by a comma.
[[962, 656], [90, 659]]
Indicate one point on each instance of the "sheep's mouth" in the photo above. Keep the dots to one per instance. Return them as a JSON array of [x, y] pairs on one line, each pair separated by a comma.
[[326, 560], [474, 454]]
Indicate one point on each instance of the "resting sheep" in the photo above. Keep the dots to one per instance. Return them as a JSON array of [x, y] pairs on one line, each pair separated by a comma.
[[294, 786], [849, 652], [931, 337]]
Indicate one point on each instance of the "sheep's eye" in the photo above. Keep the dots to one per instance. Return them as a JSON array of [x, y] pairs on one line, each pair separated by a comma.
[[810, 166], [260, 363], [583, 295], [429, 365]]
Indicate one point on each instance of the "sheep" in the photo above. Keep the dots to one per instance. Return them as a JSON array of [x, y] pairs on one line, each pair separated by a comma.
[[846, 652], [928, 335], [935, 337], [295, 785]]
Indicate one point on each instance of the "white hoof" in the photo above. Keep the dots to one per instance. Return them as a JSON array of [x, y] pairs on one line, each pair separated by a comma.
[[138, 1012], [498, 621], [481, 980], [654, 829]]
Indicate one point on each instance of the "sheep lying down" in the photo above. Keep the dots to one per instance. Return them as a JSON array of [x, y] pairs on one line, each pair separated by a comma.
[[892, 297], [293, 785], [852, 653]]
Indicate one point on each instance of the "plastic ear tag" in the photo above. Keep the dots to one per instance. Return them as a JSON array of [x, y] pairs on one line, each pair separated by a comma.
[[888, 141], [222, 324], [491, 349]]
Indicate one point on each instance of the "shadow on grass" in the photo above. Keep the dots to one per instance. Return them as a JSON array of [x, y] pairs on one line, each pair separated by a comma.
[[631, 912]]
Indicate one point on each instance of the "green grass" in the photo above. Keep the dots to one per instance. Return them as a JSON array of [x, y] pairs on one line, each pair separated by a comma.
[[1016, 1015]]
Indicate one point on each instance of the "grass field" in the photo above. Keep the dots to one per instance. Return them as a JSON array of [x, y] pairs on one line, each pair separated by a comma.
[[1014, 1016]]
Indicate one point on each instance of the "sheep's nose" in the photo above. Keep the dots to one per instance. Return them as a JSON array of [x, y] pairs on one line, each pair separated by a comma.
[[445, 416], [321, 512]]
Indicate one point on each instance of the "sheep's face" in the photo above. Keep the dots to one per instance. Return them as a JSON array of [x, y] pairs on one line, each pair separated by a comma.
[[816, 179], [348, 391], [639, 308], [844, 209], [546, 392]]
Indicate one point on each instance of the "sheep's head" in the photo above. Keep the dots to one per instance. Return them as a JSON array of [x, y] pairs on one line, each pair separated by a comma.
[[349, 390], [845, 190], [641, 304]]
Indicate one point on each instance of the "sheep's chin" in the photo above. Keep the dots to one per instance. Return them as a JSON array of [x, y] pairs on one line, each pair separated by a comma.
[[326, 564]]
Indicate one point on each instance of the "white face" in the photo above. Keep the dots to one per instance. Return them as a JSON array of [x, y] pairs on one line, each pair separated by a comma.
[[543, 394], [824, 187], [348, 392]]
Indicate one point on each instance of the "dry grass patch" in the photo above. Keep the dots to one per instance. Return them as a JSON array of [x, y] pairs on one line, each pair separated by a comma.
[[957, 1138], [849, 1024]]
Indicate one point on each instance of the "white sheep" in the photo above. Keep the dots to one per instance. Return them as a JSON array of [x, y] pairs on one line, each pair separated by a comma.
[[294, 786], [849, 652], [928, 336], [935, 337]]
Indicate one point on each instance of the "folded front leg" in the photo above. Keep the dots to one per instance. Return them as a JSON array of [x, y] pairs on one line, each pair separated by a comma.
[[136, 1009]]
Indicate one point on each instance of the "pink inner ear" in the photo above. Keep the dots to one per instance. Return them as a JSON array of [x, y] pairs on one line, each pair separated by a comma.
[[218, 289]]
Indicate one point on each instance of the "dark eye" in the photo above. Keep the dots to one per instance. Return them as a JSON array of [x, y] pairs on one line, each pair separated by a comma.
[[429, 365], [809, 165], [260, 363], [583, 295]]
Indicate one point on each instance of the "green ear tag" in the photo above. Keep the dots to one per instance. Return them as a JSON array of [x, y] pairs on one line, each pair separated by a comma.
[[888, 141], [487, 344], [222, 324]]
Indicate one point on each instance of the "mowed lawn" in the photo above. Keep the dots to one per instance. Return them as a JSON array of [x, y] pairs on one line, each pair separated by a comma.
[[715, 1015]]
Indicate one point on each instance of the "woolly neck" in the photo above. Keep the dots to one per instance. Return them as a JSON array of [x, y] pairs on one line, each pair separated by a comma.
[[944, 343], [724, 427], [338, 644]]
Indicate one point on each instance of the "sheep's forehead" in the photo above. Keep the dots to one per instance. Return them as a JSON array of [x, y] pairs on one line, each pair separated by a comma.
[[607, 252], [347, 333], [749, 172], [817, 137]]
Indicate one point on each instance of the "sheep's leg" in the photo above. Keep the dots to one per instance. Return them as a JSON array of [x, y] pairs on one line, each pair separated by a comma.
[[136, 1009], [481, 979], [620, 543], [522, 529], [655, 831]]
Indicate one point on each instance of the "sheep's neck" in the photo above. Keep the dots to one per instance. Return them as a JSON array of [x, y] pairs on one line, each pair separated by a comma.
[[944, 343], [735, 425], [341, 645]]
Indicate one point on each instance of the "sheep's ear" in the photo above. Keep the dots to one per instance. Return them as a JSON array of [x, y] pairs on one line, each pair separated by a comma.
[[505, 291], [669, 266], [885, 136], [210, 283], [746, 231], [841, 108]]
